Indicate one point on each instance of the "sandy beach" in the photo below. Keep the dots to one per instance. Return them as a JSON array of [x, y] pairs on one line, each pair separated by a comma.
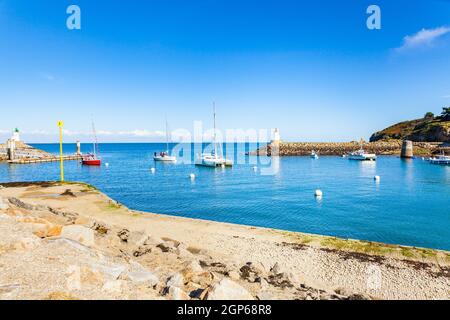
[[70, 241]]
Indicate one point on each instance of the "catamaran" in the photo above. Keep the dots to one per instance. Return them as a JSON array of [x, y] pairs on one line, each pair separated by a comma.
[[164, 155], [214, 158], [92, 159]]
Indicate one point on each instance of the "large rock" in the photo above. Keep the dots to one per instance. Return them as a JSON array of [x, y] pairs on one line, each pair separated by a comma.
[[80, 234], [228, 290]]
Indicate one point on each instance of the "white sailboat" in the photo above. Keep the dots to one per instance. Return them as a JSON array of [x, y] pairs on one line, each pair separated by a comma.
[[165, 155], [214, 158]]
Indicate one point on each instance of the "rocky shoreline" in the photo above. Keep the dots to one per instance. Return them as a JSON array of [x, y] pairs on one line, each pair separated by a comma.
[[69, 241], [389, 147]]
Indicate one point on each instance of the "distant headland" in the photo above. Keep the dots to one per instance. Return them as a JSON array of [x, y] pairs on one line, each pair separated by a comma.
[[430, 128]]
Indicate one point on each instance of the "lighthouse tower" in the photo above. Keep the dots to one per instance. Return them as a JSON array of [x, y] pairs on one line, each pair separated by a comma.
[[275, 143], [275, 138], [16, 135]]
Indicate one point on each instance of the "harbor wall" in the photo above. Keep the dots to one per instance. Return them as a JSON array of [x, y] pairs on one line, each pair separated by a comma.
[[392, 147]]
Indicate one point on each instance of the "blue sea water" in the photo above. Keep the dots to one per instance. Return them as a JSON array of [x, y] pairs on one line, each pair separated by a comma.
[[410, 205]]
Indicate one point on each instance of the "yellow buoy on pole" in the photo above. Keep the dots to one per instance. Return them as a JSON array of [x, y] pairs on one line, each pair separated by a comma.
[[61, 159]]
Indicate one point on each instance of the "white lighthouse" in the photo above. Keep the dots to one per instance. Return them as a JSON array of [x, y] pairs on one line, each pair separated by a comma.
[[276, 138], [16, 135]]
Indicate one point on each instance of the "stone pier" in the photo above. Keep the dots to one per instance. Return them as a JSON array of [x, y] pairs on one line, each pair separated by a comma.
[[407, 149]]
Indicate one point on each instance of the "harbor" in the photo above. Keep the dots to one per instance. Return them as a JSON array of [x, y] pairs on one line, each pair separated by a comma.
[[353, 203], [225, 150]]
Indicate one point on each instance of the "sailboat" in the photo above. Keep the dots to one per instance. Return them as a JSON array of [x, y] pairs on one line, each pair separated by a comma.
[[164, 155], [214, 158], [92, 159]]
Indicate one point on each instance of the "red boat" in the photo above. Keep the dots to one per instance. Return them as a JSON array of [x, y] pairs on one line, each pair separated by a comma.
[[91, 160]]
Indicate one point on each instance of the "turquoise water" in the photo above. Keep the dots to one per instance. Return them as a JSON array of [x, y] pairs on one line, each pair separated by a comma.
[[410, 205]]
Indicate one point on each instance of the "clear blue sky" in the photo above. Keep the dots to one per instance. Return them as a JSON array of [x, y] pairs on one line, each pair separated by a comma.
[[311, 68]]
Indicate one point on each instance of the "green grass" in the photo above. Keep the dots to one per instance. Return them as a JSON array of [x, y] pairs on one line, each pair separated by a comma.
[[407, 252], [113, 206]]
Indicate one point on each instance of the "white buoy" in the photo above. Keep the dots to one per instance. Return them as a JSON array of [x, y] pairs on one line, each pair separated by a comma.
[[255, 168], [107, 164], [153, 170], [318, 193], [376, 178], [192, 176]]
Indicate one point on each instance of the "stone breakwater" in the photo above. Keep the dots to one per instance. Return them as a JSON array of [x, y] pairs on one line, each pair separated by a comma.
[[24, 152], [391, 147]]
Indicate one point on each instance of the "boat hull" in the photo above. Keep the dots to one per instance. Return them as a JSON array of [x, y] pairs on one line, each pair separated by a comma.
[[165, 159], [442, 162], [368, 157], [93, 162], [214, 163]]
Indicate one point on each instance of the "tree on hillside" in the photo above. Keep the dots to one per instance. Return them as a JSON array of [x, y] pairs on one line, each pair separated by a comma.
[[429, 115], [445, 113]]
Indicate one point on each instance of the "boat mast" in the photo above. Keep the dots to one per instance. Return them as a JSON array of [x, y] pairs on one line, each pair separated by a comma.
[[214, 134], [167, 137], [95, 140]]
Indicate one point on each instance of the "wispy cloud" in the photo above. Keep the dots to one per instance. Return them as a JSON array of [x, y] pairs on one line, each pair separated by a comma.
[[424, 37]]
